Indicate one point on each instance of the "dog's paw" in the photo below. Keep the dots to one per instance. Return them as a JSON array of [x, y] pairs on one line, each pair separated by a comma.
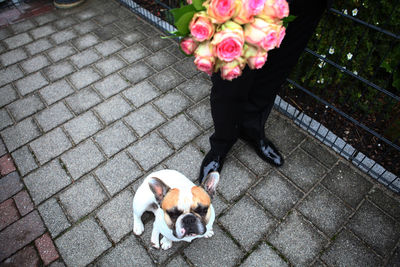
[[165, 243], [155, 245], [209, 233], [138, 228]]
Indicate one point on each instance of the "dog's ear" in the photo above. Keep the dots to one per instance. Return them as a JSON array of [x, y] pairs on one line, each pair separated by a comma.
[[211, 182], [158, 188]]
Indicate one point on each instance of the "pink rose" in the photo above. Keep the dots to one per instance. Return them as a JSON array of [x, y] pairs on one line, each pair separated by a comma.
[[189, 2], [262, 33], [201, 27], [228, 43], [204, 58], [232, 70], [221, 10], [188, 45], [281, 35], [255, 57], [247, 9], [276, 8]]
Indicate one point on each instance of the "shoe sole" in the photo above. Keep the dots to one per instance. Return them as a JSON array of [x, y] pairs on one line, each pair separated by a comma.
[[64, 6]]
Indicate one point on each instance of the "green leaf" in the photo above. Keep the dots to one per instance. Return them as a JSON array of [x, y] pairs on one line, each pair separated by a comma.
[[386, 66], [179, 12], [183, 23], [288, 19], [198, 5], [396, 79]]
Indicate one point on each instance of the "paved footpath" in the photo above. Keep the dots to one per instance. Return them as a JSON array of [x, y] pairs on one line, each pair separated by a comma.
[[92, 100]]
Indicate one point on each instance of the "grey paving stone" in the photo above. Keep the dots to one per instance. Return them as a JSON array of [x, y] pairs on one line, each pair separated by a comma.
[[53, 116], [109, 47], [10, 185], [115, 138], [175, 50], [141, 93], [186, 67], [395, 259], [20, 134], [82, 244], [85, 27], [64, 23], [25, 107], [12, 57], [137, 72], [17, 40], [7, 95], [5, 119], [85, 58], [276, 194], [42, 31], [127, 253], [172, 103], [84, 77], [375, 228], [347, 250], [201, 113], [3, 150], [45, 18], [82, 197], [160, 60], [167, 79], [24, 160], [179, 131], [46, 181], [111, 85], [186, 161], [115, 216], [63, 36], [134, 53], [202, 252], [87, 14], [38, 46], [303, 169], [57, 71], [251, 160], [156, 43], [10, 74], [50, 145], [5, 33], [132, 37], [150, 151], [347, 184], [326, 211], [22, 26], [61, 52], [178, 261], [56, 91], [86, 41], [235, 180], [241, 220], [297, 240], [83, 100], [53, 217], [117, 173], [264, 255], [144, 119], [31, 83], [323, 154], [386, 202], [82, 159], [129, 24], [82, 127], [105, 19], [113, 109], [110, 65], [35, 63]]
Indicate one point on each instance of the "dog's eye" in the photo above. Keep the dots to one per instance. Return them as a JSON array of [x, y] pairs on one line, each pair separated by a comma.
[[174, 214], [201, 210]]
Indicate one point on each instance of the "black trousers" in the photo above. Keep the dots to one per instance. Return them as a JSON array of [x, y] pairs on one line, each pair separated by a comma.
[[244, 104]]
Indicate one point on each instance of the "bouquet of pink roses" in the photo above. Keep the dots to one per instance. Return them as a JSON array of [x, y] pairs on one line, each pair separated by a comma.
[[225, 35]]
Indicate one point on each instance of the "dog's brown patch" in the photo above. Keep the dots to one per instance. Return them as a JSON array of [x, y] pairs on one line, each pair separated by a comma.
[[171, 199], [200, 196]]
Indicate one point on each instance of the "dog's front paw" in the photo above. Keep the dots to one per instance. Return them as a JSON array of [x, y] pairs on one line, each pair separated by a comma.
[[165, 243], [209, 233], [138, 227]]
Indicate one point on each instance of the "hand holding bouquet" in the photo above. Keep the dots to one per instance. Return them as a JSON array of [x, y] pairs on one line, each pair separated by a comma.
[[225, 35]]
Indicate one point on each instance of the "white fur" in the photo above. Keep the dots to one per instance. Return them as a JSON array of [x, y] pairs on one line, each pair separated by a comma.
[[144, 198]]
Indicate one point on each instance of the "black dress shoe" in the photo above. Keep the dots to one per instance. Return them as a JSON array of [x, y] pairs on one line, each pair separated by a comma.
[[211, 162], [265, 149]]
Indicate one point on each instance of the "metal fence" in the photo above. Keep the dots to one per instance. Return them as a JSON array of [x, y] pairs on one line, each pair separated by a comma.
[[345, 88]]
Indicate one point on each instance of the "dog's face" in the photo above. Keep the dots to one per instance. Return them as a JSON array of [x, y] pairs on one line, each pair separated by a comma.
[[186, 211]]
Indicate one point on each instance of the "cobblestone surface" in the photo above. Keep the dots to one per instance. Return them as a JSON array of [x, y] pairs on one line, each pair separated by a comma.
[[92, 100]]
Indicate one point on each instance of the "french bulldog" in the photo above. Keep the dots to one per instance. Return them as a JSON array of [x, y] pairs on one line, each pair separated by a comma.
[[182, 210]]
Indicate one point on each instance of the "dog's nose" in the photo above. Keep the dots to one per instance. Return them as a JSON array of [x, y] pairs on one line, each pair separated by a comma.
[[189, 219]]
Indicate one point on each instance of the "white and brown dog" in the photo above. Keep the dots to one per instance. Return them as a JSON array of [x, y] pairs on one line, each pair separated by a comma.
[[182, 210]]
